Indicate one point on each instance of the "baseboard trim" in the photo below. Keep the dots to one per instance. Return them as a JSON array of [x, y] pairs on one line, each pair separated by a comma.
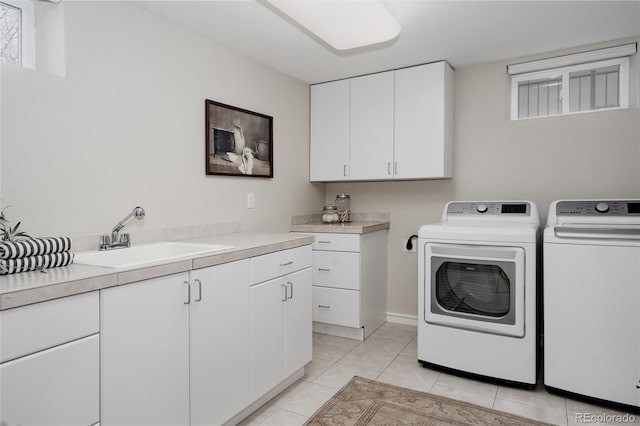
[[402, 319]]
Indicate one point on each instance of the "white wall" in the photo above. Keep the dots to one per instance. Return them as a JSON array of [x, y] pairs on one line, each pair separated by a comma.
[[583, 155], [125, 127]]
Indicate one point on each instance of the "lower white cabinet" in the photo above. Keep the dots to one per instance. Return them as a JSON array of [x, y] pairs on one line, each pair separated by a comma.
[[201, 347], [281, 335], [58, 386], [175, 349], [219, 343], [49, 371], [349, 283], [145, 352]]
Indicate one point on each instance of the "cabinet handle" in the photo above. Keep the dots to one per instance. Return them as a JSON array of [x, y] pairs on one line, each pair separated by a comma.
[[324, 242], [291, 284], [188, 293], [395, 168], [344, 170], [199, 290], [324, 269], [287, 264], [324, 306], [285, 293], [389, 168]]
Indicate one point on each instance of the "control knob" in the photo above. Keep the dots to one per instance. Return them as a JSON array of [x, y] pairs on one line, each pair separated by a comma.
[[602, 207], [482, 208]]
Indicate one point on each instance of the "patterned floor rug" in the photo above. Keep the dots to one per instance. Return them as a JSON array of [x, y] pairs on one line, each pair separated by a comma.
[[367, 402]]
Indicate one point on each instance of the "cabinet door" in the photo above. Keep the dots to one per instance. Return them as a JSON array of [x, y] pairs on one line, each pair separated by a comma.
[[422, 133], [219, 342], [371, 130], [329, 146], [267, 304], [298, 322], [144, 347], [58, 386]]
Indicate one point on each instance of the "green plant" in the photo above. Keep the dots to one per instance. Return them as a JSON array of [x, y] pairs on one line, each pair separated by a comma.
[[8, 232]]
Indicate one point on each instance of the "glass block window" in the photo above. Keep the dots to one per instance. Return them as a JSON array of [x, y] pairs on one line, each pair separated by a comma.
[[595, 88], [572, 89], [10, 34], [540, 97], [17, 32]]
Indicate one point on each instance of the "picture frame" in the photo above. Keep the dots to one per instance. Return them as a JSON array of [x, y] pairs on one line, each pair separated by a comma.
[[238, 142]]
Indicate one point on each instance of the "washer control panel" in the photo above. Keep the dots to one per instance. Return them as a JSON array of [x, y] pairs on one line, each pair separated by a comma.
[[489, 208], [598, 208]]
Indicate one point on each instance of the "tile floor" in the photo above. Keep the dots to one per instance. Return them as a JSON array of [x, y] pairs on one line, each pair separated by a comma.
[[390, 355]]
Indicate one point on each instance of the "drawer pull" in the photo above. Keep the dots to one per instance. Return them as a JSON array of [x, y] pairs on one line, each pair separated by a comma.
[[287, 264], [324, 306], [324, 269], [291, 294], [188, 301], [324, 242], [199, 298]]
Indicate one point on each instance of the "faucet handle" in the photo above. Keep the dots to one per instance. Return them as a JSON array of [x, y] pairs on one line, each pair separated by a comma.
[[105, 241], [124, 239]]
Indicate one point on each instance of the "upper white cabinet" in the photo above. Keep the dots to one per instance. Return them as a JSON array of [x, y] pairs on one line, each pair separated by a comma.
[[393, 125], [371, 131], [423, 122], [330, 131]]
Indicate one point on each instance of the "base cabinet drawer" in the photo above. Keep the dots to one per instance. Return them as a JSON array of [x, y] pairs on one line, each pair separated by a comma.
[[336, 306], [32, 328], [58, 386], [336, 242], [336, 269], [273, 265]]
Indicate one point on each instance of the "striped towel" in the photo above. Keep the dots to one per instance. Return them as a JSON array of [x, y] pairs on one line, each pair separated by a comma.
[[30, 263], [33, 247]]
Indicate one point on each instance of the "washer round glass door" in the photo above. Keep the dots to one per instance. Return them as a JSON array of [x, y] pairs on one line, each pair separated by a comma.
[[475, 287]]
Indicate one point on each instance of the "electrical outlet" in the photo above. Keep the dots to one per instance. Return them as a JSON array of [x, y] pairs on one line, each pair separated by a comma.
[[251, 201], [413, 248]]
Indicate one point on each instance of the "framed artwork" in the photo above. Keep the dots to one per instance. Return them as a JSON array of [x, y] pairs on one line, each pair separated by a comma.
[[238, 142]]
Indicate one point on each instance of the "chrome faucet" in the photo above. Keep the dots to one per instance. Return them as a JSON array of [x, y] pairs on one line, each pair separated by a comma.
[[117, 240]]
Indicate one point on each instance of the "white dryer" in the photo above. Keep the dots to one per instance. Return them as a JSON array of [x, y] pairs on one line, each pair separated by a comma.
[[477, 290], [592, 299]]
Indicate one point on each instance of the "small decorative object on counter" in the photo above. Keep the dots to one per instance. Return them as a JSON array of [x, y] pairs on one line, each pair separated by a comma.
[[343, 203], [330, 214], [19, 252]]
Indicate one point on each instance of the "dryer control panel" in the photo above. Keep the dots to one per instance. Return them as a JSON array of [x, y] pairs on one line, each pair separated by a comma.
[[598, 208], [489, 208]]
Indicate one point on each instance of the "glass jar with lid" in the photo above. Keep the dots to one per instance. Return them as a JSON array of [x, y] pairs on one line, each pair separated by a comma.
[[343, 203], [330, 214]]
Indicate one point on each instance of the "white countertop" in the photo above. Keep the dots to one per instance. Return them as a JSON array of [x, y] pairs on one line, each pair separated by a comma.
[[31, 287]]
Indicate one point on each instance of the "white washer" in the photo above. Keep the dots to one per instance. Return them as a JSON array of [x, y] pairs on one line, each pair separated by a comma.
[[592, 299], [477, 290]]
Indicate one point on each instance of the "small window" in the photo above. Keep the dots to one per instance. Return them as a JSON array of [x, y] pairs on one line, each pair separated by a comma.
[[17, 33], [571, 89]]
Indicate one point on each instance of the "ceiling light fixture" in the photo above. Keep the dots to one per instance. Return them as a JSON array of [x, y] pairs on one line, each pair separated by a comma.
[[344, 25]]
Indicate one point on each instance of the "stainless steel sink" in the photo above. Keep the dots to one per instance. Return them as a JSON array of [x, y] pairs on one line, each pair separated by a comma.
[[145, 253]]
